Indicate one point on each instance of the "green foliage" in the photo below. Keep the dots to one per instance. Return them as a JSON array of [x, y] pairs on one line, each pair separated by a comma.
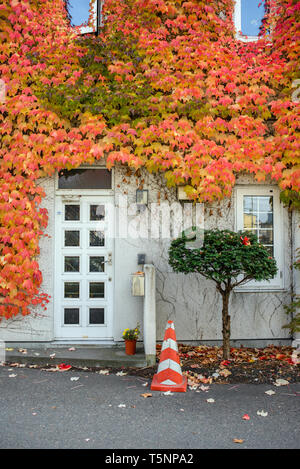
[[226, 257], [291, 199], [131, 334], [294, 307], [100, 90]]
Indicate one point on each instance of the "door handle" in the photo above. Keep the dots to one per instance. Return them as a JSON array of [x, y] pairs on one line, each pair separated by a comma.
[[109, 259]]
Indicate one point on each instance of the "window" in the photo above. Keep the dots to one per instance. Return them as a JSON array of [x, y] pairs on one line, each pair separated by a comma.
[[87, 14], [258, 210], [84, 179], [248, 16]]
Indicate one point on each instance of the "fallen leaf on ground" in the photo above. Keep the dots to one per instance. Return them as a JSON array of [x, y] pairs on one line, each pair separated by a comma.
[[193, 387], [63, 367], [246, 417], [262, 413], [281, 382], [225, 362], [225, 373], [204, 388], [146, 394], [237, 440]]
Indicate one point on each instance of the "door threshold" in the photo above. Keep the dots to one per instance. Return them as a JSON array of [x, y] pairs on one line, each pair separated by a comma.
[[64, 342]]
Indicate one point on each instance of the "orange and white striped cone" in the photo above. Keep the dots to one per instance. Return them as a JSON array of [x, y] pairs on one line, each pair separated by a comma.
[[169, 375]]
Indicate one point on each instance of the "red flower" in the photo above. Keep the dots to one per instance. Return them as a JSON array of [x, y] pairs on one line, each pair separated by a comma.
[[245, 241]]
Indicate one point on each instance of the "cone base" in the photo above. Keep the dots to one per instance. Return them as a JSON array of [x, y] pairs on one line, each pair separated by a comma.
[[157, 386]]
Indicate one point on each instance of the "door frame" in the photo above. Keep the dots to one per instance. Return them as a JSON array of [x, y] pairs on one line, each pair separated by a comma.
[[74, 195]]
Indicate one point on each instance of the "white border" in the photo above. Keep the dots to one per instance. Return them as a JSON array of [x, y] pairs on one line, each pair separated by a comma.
[[278, 282], [237, 19], [79, 192]]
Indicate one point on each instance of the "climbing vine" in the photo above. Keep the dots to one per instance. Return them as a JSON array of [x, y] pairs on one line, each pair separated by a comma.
[[165, 85]]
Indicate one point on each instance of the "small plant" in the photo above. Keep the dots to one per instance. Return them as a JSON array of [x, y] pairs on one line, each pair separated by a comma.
[[294, 308], [229, 259], [132, 334]]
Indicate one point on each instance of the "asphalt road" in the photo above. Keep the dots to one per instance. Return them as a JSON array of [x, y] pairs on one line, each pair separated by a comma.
[[85, 410]]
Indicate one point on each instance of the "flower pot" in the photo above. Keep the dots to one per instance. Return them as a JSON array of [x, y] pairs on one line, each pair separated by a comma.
[[130, 347]]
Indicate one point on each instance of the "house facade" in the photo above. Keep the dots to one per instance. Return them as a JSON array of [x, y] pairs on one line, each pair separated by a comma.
[[104, 226], [97, 231]]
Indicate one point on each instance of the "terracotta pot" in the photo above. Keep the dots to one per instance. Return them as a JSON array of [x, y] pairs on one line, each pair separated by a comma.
[[130, 347]]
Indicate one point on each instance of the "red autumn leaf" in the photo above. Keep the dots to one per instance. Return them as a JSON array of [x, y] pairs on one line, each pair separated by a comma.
[[246, 417], [64, 367], [225, 362]]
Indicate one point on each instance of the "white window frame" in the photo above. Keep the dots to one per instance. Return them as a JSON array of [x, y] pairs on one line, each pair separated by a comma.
[[78, 192], [97, 23], [237, 19], [277, 283]]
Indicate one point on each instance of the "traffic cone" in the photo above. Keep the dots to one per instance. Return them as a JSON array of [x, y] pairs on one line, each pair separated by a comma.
[[169, 375]]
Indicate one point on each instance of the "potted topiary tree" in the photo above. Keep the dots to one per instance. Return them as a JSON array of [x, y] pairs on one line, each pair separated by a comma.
[[228, 258]]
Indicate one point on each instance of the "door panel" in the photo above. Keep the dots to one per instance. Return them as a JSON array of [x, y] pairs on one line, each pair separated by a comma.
[[84, 268]]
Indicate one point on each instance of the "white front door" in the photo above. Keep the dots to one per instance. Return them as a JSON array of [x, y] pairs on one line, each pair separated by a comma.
[[84, 249]]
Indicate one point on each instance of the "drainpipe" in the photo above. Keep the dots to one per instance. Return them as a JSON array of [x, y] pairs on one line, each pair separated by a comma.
[[150, 315], [296, 272]]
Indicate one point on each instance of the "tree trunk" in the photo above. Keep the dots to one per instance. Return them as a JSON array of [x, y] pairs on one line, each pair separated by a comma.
[[226, 324]]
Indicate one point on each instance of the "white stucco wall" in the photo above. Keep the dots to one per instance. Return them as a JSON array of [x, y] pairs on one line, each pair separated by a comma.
[[190, 301]]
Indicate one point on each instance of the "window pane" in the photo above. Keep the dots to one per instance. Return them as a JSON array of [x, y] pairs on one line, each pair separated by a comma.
[[79, 11], [250, 204], [72, 212], [72, 238], [96, 316], [71, 316], [97, 212], [71, 264], [96, 290], [266, 236], [71, 289], [265, 220], [265, 204], [97, 264], [85, 179], [96, 238], [258, 218], [252, 14], [250, 221]]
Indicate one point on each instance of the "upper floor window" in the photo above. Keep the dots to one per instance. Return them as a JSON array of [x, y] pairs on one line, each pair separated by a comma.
[[248, 16], [85, 14]]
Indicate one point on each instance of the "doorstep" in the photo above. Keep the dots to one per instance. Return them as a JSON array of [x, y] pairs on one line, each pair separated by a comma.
[[82, 356]]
